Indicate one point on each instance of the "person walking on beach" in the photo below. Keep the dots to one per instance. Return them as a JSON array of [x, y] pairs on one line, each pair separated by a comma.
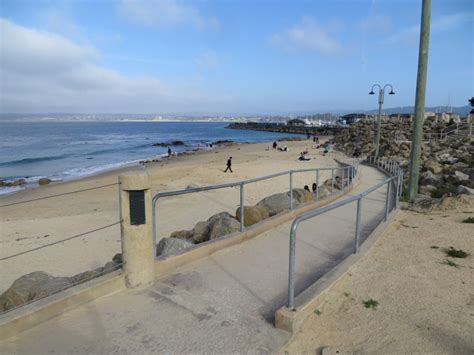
[[229, 165], [169, 152], [275, 145]]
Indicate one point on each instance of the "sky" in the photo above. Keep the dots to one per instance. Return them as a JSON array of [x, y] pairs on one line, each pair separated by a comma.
[[228, 57]]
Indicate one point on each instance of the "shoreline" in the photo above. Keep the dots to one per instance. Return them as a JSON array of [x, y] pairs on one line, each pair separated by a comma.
[[101, 170], [27, 224]]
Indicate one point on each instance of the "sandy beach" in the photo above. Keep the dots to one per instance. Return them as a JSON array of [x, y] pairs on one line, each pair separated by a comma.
[[424, 305], [29, 225]]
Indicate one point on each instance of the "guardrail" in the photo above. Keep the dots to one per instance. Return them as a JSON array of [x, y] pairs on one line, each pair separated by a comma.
[[348, 172], [394, 180]]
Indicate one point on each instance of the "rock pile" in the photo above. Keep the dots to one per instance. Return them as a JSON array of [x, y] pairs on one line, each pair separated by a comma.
[[39, 284], [447, 165], [224, 223]]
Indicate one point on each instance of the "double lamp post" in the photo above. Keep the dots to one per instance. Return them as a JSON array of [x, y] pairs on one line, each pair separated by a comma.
[[381, 98]]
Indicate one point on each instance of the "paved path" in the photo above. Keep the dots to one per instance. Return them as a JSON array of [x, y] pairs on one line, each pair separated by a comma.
[[221, 304]]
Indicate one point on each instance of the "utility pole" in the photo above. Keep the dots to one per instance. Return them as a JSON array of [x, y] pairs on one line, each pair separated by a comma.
[[417, 134]]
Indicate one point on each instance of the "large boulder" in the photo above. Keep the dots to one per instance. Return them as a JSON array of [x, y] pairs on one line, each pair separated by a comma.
[[276, 203], [433, 166], [200, 232], [184, 234], [428, 178], [299, 195], [29, 287], [44, 181], [464, 190], [216, 226], [222, 224], [171, 246], [324, 191], [252, 214]]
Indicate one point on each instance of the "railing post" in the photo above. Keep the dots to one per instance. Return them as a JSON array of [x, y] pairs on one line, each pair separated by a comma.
[[291, 190], [357, 228], [317, 185], [291, 268], [397, 197], [242, 225], [154, 231], [387, 200], [136, 229], [332, 181]]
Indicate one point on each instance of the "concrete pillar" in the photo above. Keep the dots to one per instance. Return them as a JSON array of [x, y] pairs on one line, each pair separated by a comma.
[[136, 229]]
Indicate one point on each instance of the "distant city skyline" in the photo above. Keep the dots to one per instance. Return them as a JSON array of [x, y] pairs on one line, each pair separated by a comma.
[[228, 58]]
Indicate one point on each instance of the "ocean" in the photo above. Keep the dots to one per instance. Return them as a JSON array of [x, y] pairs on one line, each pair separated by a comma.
[[64, 151]]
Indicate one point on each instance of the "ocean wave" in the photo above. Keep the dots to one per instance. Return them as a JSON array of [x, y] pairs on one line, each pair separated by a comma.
[[32, 160]]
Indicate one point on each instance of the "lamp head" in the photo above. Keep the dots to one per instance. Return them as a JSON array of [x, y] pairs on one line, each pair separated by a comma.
[[371, 92], [391, 92]]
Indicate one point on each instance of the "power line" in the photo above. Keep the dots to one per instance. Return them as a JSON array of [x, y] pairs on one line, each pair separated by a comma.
[[62, 194]]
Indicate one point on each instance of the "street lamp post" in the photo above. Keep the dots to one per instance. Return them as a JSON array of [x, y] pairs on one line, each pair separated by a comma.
[[381, 98]]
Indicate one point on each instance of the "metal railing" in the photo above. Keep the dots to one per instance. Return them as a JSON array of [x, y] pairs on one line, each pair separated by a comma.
[[394, 181], [348, 170]]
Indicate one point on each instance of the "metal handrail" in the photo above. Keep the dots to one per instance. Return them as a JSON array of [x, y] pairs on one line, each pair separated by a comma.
[[349, 172], [396, 174]]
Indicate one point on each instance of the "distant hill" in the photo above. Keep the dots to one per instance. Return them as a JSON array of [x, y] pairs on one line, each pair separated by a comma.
[[461, 110]]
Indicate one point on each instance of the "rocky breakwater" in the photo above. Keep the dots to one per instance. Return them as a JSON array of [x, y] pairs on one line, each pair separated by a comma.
[[447, 166], [224, 223], [283, 128]]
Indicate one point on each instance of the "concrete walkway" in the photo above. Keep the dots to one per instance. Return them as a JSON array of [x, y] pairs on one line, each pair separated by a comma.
[[221, 304]]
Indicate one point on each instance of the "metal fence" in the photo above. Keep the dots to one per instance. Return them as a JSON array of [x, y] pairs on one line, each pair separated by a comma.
[[347, 170], [46, 256], [393, 188]]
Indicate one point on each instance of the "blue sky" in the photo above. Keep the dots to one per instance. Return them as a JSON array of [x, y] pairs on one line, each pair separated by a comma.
[[228, 57]]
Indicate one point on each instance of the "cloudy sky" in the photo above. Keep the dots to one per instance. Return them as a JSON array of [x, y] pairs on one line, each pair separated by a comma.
[[227, 56]]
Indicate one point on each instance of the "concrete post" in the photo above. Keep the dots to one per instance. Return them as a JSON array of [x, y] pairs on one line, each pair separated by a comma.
[[136, 229]]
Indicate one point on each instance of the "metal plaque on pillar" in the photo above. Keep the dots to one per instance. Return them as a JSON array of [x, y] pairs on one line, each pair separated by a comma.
[[137, 207]]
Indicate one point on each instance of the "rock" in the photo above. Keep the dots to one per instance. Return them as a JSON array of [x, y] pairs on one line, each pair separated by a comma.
[[460, 202], [433, 166], [171, 246], [427, 189], [89, 275], [459, 176], [308, 196], [117, 258], [428, 178], [446, 158], [460, 166], [44, 181], [184, 234], [337, 183], [167, 144], [29, 287], [252, 214], [302, 196], [464, 190], [222, 224], [224, 142], [200, 232], [324, 192], [276, 203]]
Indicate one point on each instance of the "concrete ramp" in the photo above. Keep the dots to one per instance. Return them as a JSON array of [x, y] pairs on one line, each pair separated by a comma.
[[220, 304]]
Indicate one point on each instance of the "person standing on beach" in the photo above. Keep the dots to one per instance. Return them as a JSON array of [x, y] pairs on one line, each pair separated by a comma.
[[169, 152], [275, 145], [229, 165]]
